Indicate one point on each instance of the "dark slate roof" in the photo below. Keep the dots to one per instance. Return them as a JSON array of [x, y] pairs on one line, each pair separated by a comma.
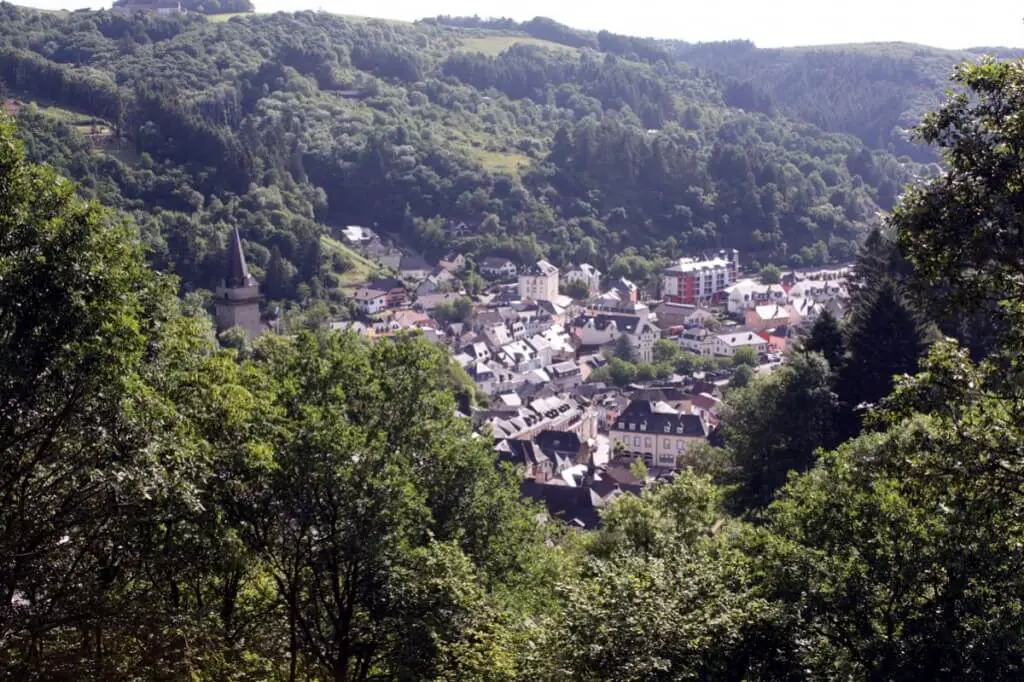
[[489, 317], [541, 268], [625, 323], [385, 283], [563, 442], [640, 412], [570, 504], [365, 294], [590, 390], [506, 296], [664, 393], [703, 387], [622, 476], [534, 391], [237, 274], [413, 262], [625, 285], [522, 452]]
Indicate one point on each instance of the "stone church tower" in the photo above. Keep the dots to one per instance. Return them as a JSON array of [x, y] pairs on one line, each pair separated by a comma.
[[237, 301]]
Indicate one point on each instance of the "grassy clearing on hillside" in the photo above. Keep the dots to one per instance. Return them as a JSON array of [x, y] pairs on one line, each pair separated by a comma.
[[124, 152], [495, 45], [382, 20], [221, 18], [361, 270], [501, 162], [69, 116]]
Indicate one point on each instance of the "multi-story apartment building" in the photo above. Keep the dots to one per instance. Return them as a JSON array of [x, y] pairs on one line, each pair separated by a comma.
[[700, 281], [539, 282], [655, 431]]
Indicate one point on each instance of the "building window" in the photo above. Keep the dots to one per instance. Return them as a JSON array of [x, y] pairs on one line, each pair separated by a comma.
[[636, 441], [668, 444], [647, 442]]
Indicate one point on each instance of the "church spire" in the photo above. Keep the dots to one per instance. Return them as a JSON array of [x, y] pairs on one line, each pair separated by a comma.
[[237, 274]]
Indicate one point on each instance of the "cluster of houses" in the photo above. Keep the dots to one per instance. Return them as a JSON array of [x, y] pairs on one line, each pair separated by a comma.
[[530, 351]]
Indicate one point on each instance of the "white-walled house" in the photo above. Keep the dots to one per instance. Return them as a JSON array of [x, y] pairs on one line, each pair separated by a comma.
[[747, 294], [370, 301], [657, 432], [494, 266], [698, 340], [539, 282], [603, 329], [726, 345], [587, 274]]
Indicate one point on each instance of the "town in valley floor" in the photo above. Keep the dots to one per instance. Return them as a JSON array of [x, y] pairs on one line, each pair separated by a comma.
[[479, 350], [539, 358]]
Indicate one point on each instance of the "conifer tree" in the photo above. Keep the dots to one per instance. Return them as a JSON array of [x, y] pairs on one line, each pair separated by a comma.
[[280, 273], [885, 338], [827, 338]]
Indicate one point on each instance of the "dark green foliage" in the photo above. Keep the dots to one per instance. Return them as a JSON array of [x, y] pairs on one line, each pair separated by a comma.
[[577, 289], [770, 274], [826, 338], [624, 349], [908, 530], [459, 310], [283, 123], [776, 426], [885, 337], [955, 228], [745, 356], [742, 377], [876, 91], [312, 507]]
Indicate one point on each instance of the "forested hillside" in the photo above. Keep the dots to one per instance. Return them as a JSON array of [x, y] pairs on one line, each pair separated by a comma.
[[312, 508], [876, 91], [596, 148]]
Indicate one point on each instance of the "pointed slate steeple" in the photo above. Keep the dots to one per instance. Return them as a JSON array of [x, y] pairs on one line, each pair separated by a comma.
[[237, 274], [237, 300]]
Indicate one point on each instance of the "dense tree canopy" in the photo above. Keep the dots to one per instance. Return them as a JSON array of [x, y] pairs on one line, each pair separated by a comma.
[[278, 510], [876, 91], [312, 507], [284, 125]]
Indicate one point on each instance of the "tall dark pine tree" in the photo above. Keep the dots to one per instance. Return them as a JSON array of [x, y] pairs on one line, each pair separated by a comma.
[[278, 280], [885, 338], [827, 338], [776, 426], [877, 260]]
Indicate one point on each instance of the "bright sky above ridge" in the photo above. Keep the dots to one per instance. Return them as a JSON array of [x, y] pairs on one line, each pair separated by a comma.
[[773, 23]]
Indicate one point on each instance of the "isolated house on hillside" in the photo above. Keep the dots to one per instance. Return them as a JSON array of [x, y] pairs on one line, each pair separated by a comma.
[[413, 267], [498, 267]]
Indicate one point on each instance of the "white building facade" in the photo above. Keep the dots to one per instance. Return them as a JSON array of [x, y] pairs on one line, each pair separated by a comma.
[[539, 282], [588, 275]]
